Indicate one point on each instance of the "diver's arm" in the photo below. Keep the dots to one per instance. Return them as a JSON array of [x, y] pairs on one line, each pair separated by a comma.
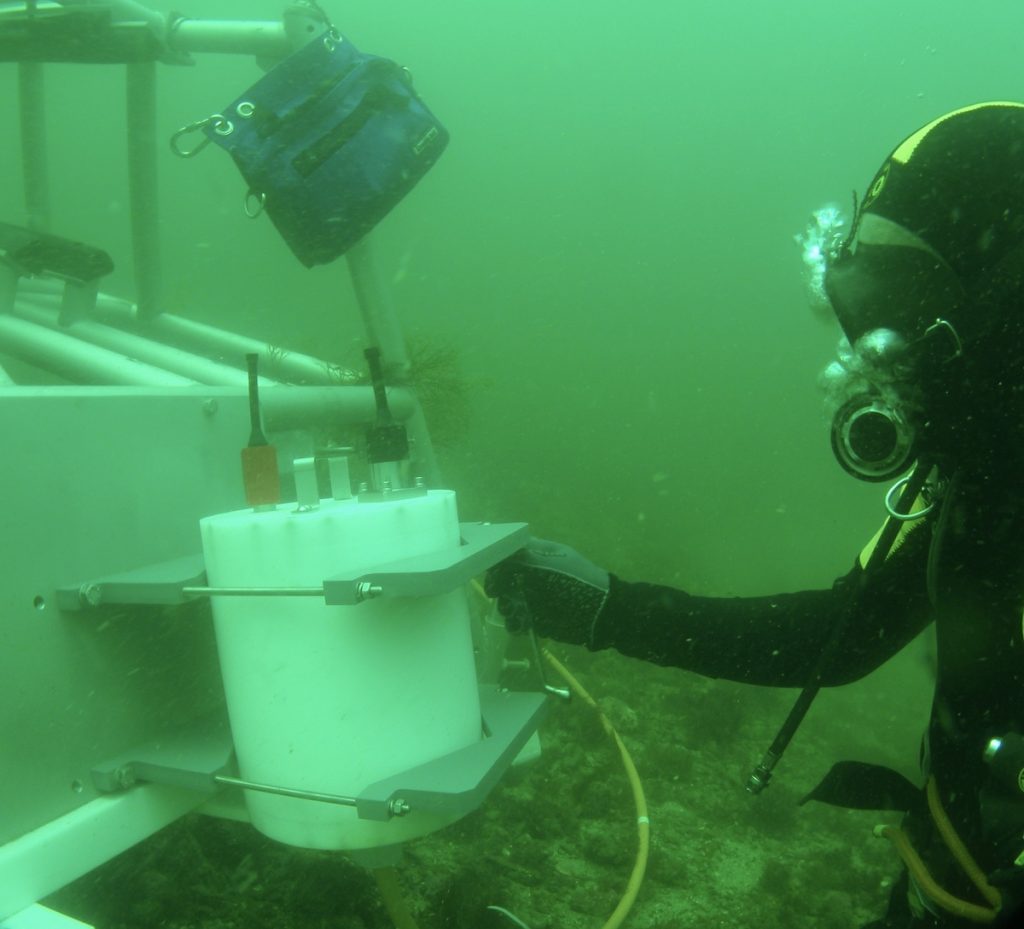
[[773, 640]]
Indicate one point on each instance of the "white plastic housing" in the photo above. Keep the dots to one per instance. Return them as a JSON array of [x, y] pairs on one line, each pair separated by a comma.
[[331, 699]]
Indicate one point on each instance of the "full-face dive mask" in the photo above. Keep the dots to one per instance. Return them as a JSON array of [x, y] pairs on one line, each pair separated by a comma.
[[870, 398], [892, 295]]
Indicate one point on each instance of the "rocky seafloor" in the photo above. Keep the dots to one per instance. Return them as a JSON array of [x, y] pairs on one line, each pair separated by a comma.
[[555, 842]]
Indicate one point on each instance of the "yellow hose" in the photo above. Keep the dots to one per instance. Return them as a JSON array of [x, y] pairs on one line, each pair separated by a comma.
[[928, 885], [394, 902], [387, 878], [643, 822], [935, 893], [957, 847]]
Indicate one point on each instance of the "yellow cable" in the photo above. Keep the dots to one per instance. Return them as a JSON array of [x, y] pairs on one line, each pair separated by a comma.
[[940, 896], [394, 903], [643, 822], [957, 847]]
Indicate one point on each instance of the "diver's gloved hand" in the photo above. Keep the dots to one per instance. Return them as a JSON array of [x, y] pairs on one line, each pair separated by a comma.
[[550, 588]]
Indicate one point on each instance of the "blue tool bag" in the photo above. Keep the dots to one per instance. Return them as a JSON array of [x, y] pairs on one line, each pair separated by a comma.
[[329, 141]]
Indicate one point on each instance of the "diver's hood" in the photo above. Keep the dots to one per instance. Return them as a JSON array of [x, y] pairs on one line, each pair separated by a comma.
[[886, 277]]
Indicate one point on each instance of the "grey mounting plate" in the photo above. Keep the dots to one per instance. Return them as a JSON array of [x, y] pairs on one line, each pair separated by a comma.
[[156, 584], [453, 785], [483, 545], [457, 783], [188, 758]]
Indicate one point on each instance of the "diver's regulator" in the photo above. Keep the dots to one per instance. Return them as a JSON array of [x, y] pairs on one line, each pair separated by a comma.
[[872, 440]]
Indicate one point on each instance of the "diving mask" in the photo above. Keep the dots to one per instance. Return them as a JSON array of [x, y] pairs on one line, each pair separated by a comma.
[[871, 399]]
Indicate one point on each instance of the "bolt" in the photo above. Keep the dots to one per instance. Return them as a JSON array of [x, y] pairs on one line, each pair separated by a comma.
[[210, 406], [366, 591], [124, 777], [419, 482], [91, 594], [398, 807]]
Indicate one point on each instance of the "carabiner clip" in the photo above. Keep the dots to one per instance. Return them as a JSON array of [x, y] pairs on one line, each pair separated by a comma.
[[221, 126], [890, 503]]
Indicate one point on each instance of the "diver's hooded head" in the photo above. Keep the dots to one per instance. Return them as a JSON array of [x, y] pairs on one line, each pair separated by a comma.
[[929, 290]]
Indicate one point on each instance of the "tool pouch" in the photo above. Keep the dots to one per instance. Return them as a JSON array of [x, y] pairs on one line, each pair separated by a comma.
[[329, 141]]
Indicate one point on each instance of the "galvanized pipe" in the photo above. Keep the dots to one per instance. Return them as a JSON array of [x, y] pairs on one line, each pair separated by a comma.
[[384, 331], [127, 11], [287, 365], [198, 337], [186, 364], [78, 361], [287, 407], [263, 39]]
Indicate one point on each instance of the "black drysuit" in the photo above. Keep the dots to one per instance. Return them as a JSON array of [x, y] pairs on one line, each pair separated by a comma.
[[977, 577]]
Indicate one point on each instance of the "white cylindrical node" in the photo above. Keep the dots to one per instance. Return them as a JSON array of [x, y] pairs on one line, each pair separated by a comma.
[[332, 699]]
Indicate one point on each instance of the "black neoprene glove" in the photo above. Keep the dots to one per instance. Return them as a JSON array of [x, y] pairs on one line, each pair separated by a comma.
[[551, 588]]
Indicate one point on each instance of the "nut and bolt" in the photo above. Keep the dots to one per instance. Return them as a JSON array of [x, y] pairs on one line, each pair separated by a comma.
[[367, 591]]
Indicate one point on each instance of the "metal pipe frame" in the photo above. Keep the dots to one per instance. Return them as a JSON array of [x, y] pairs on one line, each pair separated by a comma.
[[78, 361], [191, 336], [384, 331], [194, 367], [263, 39]]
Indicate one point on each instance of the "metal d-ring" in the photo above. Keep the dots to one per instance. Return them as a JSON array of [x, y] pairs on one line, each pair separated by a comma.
[[260, 199], [890, 506]]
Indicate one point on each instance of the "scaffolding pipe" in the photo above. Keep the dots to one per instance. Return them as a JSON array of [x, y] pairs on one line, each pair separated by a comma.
[[287, 407], [285, 365], [140, 85], [262, 39], [78, 361], [192, 336], [383, 331], [188, 365], [31, 103], [127, 11]]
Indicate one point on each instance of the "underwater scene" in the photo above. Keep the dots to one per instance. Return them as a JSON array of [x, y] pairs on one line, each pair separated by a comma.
[[586, 239]]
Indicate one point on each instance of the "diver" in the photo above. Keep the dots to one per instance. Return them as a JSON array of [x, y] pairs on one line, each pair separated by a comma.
[[928, 288]]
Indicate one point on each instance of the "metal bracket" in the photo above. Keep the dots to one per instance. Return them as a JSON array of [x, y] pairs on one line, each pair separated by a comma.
[[179, 581], [190, 758], [454, 784], [483, 545], [159, 584]]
